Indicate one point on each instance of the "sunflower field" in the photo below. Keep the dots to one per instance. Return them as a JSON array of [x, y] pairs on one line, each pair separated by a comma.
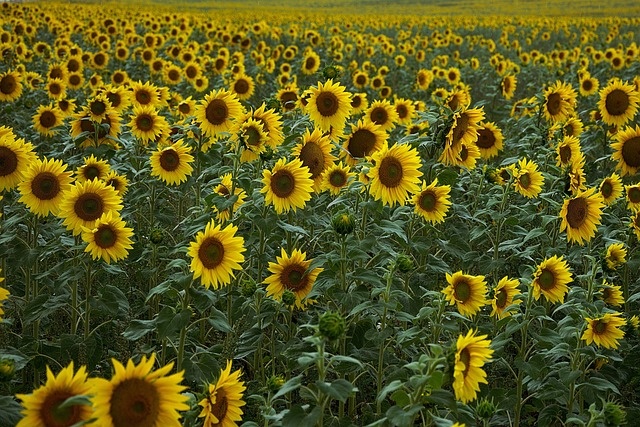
[[331, 214]]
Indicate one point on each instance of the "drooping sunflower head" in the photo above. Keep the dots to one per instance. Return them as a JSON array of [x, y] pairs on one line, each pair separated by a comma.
[[605, 330], [118, 182], [432, 202], [224, 189], [466, 291], [627, 150], [568, 151], [271, 123], [573, 127], [611, 294], [508, 85], [581, 215], [551, 279], [618, 102], [251, 137], [472, 352], [616, 255]]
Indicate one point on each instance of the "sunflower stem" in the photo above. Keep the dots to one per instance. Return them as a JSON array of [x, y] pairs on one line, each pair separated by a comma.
[[503, 204], [522, 353], [183, 330], [87, 306], [383, 326]]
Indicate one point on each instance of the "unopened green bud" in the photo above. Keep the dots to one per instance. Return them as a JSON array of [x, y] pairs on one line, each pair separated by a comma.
[[7, 369], [274, 382], [273, 104], [343, 223], [332, 325], [404, 263], [614, 414], [156, 236], [288, 298], [249, 288], [331, 72], [485, 409]]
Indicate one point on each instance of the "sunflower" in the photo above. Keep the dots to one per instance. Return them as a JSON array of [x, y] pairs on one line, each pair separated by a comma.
[[611, 188], [118, 96], [288, 96], [138, 396], [424, 79], [118, 182], [572, 127], [42, 407], [568, 151], [224, 189], [560, 101], [172, 164], [635, 224], [611, 294], [383, 114], [4, 295], [144, 95], [287, 186], [467, 292], [616, 255], [588, 85], [186, 107], [335, 178], [464, 130], [215, 253], [44, 185], [315, 153], [508, 85], [292, 273], [223, 400], [310, 62], [458, 99], [581, 215], [405, 109], [217, 111], [88, 133], [576, 177], [360, 79], [146, 124], [271, 123], [359, 103], [56, 89], [365, 139], [329, 105], [93, 168], [15, 159], [396, 174], [85, 202], [432, 201], [98, 108], [627, 150], [551, 279], [528, 181], [251, 136], [109, 238], [503, 297], [10, 86], [47, 118], [243, 86], [472, 352], [633, 197], [604, 331], [490, 140], [618, 103]]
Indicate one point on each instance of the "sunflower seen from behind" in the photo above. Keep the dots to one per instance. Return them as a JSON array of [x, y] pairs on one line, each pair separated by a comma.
[[172, 164], [618, 103], [463, 131], [287, 186], [604, 331], [222, 404], [432, 202], [216, 253], [581, 215], [44, 185], [472, 353], [328, 105], [85, 202], [466, 291], [109, 239], [139, 396], [292, 273], [396, 174], [42, 407], [551, 279]]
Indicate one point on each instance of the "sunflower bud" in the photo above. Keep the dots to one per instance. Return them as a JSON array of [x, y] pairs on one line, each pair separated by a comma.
[[614, 414], [267, 154], [274, 382], [343, 223], [273, 104], [332, 325], [249, 288], [7, 369], [485, 409], [404, 263], [331, 72], [156, 236], [288, 298]]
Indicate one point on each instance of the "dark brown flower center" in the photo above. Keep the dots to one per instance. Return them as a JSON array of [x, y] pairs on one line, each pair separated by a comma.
[[501, 299], [565, 154], [361, 79], [74, 80], [252, 137], [428, 201], [460, 128], [288, 100], [53, 416], [327, 104], [217, 112], [174, 75], [98, 108], [631, 152], [633, 194], [169, 160], [55, 88], [524, 180], [191, 72], [465, 358], [47, 119], [310, 63], [577, 212], [599, 327], [282, 183], [219, 409], [486, 138], [89, 207], [461, 290], [402, 111], [8, 161], [606, 189], [45, 186], [506, 85], [361, 143], [546, 279], [617, 102], [241, 86], [184, 108], [135, 403], [105, 237], [587, 85], [211, 252], [144, 122], [379, 116], [294, 277], [554, 103], [143, 96], [356, 101], [338, 178], [312, 157], [390, 172]]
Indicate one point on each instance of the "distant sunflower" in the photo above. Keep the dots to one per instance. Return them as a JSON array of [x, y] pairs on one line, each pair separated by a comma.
[[56, 89], [611, 188], [15, 159], [146, 124], [611, 294], [10, 86], [588, 85], [216, 253], [490, 140], [137, 395], [251, 136], [551, 279], [468, 292], [222, 403], [382, 113], [581, 216], [618, 103], [93, 168], [288, 96], [432, 201], [186, 107], [217, 112], [315, 153], [42, 407], [359, 103], [560, 101], [224, 189], [118, 182], [118, 97], [633, 197], [243, 86], [472, 352], [336, 177], [47, 118], [568, 151], [310, 62], [424, 78], [528, 180], [88, 133], [573, 127], [627, 150], [616, 255], [604, 331], [144, 95], [109, 238], [292, 273], [365, 139], [458, 99], [504, 296], [360, 79], [396, 174], [43, 186], [329, 105], [405, 109], [172, 164], [287, 186], [271, 123], [85, 202], [4, 295], [508, 85]]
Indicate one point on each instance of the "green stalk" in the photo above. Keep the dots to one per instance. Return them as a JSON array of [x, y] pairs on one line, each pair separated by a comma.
[[183, 331], [87, 306], [383, 325], [503, 204], [522, 353]]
